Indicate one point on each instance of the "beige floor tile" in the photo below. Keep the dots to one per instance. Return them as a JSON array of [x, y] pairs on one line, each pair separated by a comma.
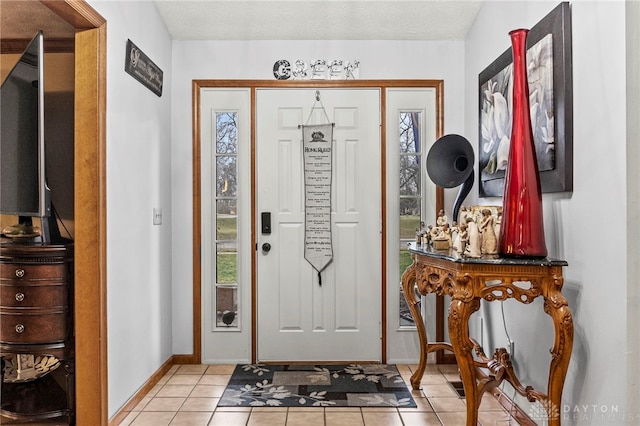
[[305, 418], [143, 402], [234, 409], [224, 418], [191, 369], [199, 404], [447, 368], [381, 418], [447, 405], [269, 409], [191, 419], [267, 418], [453, 419], [164, 379], [209, 391], [439, 391], [343, 418], [433, 379], [422, 405], [151, 418], [215, 379], [418, 393], [220, 369], [175, 390], [183, 379], [306, 409], [188, 395], [404, 369], [490, 403], [389, 409], [164, 404], [494, 418], [154, 390], [452, 377], [420, 419], [342, 409]]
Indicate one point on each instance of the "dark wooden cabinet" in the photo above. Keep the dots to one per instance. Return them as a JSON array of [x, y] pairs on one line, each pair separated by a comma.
[[36, 318]]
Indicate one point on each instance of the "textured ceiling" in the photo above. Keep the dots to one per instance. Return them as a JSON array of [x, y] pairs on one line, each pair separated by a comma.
[[318, 19], [275, 19]]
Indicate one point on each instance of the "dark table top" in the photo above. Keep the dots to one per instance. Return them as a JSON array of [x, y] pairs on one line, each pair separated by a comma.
[[453, 256]]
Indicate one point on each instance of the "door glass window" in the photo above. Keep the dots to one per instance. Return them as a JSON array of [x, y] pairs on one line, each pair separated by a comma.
[[411, 177], [226, 220]]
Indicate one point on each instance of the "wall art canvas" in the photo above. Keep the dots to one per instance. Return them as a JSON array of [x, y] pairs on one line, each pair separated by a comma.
[[550, 100]]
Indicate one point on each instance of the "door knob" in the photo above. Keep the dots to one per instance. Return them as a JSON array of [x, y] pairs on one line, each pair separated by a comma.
[[266, 247]]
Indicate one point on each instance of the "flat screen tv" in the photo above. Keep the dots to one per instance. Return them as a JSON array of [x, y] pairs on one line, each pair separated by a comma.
[[23, 188]]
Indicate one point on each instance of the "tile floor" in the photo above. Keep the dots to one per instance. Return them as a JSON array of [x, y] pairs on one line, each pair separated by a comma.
[[188, 395]]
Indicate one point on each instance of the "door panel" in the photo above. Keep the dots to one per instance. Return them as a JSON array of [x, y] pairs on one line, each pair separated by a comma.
[[299, 319]]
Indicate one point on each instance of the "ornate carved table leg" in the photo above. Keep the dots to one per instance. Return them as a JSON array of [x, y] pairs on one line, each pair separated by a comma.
[[408, 288], [459, 312], [557, 307]]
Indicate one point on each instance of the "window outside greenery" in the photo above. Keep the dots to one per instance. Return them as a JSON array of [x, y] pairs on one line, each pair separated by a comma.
[[410, 196], [226, 220]]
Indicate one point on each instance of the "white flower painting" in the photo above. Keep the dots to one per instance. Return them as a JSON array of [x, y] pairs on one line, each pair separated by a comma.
[[495, 113]]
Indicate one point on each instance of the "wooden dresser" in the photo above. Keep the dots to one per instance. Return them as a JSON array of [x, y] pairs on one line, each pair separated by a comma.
[[36, 325]]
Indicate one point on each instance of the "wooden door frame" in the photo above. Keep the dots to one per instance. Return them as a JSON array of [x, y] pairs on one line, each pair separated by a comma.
[[89, 209], [253, 85]]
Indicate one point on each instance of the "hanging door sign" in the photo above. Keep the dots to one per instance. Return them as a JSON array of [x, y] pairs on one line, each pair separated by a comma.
[[317, 142]]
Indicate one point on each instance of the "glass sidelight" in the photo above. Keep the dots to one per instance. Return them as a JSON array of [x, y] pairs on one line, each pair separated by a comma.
[[410, 193], [226, 220]]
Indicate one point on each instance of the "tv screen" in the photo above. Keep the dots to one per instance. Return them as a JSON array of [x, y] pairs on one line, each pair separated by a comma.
[[23, 189]]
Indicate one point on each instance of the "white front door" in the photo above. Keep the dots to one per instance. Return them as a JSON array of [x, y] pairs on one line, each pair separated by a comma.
[[299, 318]]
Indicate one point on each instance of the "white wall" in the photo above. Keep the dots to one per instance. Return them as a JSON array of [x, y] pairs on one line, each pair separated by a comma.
[[633, 200], [138, 179], [254, 60], [587, 227]]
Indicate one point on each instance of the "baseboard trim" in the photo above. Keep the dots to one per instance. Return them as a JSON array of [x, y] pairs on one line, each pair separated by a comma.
[[185, 359], [143, 391]]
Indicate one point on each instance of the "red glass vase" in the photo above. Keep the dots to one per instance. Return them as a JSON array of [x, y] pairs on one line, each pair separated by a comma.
[[522, 229]]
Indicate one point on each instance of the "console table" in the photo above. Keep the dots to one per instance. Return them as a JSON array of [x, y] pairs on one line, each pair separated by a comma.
[[467, 281]]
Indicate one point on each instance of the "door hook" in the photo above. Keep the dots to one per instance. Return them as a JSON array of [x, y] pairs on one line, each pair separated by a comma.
[[317, 95]]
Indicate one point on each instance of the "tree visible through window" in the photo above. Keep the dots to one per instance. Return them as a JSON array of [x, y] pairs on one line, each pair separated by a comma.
[[226, 220], [410, 195]]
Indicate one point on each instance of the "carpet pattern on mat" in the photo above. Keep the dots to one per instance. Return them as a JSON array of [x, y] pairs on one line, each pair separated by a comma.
[[366, 385]]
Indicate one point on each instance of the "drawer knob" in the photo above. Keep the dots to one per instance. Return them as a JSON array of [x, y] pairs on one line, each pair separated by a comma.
[[19, 328], [19, 297], [20, 273]]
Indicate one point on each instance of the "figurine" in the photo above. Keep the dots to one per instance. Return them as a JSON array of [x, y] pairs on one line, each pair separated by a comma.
[[446, 231], [442, 218], [455, 230], [464, 214], [460, 242], [474, 246], [489, 241]]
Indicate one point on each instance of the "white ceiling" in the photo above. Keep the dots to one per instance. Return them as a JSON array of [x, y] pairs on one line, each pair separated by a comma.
[[276, 19], [318, 19]]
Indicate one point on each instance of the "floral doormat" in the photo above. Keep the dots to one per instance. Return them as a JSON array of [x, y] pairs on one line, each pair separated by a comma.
[[366, 385]]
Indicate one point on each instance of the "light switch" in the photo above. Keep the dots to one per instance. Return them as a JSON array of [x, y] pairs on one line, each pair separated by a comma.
[[157, 216]]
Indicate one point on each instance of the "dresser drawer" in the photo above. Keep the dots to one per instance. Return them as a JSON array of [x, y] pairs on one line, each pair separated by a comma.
[[34, 296], [17, 271], [33, 328]]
